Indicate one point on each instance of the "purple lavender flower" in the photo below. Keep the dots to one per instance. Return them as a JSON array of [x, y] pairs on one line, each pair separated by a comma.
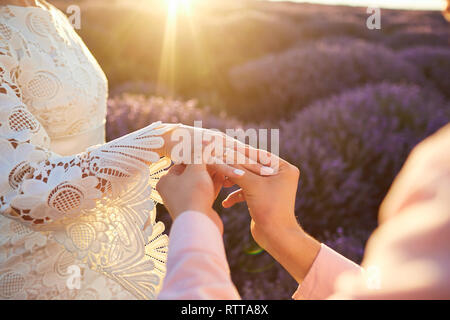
[[349, 149], [277, 84], [433, 62], [423, 35]]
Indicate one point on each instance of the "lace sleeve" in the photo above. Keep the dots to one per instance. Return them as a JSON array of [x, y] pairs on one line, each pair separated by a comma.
[[95, 203], [39, 187]]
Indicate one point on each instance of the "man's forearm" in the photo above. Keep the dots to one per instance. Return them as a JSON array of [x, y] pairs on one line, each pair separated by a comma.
[[294, 250], [313, 265], [197, 267]]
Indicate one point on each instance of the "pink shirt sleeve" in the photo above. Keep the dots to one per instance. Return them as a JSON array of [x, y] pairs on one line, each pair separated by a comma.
[[407, 256], [197, 267], [320, 280]]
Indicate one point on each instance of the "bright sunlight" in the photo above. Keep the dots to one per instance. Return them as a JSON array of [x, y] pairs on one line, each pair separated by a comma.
[[175, 10]]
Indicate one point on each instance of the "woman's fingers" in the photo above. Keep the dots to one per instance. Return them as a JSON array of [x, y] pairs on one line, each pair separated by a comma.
[[260, 156], [233, 157], [264, 158], [225, 169], [228, 183], [233, 198]]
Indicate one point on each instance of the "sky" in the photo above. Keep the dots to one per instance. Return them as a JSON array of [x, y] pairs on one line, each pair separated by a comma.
[[394, 4]]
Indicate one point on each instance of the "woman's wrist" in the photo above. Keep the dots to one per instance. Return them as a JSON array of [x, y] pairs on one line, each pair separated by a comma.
[[166, 149]]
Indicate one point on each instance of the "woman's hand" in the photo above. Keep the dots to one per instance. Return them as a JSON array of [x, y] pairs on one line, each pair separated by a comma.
[[191, 145]]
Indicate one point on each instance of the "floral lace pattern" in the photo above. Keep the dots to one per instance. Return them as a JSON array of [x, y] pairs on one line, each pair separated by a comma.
[[87, 209], [49, 62]]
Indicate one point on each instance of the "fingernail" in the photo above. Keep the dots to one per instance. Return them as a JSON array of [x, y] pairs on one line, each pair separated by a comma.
[[267, 171], [239, 172]]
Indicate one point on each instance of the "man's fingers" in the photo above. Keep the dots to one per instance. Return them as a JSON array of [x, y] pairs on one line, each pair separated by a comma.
[[218, 181], [228, 183], [233, 198], [237, 174], [161, 185], [176, 170], [233, 157], [227, 170]]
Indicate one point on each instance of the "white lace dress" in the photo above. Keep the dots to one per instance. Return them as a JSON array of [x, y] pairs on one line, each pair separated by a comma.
[[65, 202]]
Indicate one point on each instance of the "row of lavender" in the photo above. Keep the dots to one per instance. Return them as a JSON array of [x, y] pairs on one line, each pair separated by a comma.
[[282, 83]]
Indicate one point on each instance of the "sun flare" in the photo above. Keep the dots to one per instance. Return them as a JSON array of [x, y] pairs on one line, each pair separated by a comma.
[[176, 9], [176, 6]]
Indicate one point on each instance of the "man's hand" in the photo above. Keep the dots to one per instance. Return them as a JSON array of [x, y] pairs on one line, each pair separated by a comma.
[[192, 187], [271, 203], [270, 198]]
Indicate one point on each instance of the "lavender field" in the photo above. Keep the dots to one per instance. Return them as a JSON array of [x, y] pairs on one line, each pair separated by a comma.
[[351, 103]]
